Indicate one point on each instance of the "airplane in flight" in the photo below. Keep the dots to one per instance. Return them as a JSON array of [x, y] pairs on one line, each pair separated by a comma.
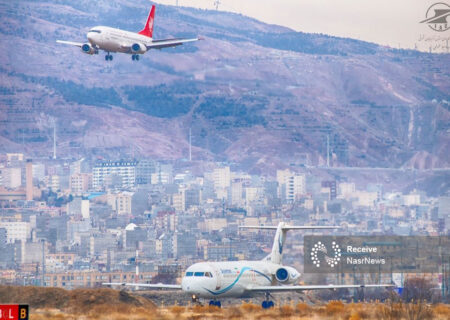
[[245, 279], [117, 40]]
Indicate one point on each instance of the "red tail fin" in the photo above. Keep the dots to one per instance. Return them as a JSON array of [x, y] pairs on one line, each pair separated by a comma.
[[148, 29]]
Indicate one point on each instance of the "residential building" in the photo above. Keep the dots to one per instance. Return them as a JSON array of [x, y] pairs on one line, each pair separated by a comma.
[[126, 170]]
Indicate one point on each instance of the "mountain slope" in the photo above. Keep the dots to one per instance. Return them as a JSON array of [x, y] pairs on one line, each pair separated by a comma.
[[259, 95]]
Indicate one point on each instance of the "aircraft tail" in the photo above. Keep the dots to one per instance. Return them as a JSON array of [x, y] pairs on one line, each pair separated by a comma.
[[276, 255], [148, 29]]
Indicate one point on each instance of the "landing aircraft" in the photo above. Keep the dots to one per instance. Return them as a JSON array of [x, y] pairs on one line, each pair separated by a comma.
[[245, 279], [117, 40]]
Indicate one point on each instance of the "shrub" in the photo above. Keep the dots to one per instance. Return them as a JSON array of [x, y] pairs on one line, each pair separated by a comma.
[[355, 316], [442, 310], [303, 309], [177, 310], [334, 307], [286, 311], [250, 307]]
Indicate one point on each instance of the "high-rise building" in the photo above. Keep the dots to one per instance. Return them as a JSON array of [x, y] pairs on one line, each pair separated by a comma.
[[184, 245], [80, 182], [126, 170], [222, 177], [282, 176], [16, 230], [347, 190], [295, 187], [332, 188], [120, 202], [179, 201], [14, 159], [290, 185], [29, 180], [237, 199], [38, 171], [144, 170], [222, 181], [52, 182], [12, 177], [192, 197]]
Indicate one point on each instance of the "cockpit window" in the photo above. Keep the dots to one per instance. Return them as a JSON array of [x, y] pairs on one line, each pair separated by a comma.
[[93, 30], [208, 274], [199, 274], [189, 274]]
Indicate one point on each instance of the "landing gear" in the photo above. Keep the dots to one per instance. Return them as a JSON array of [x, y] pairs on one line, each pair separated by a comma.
[[108, 57], [215, 303], [135, 57], [195, 299], [267, 304]]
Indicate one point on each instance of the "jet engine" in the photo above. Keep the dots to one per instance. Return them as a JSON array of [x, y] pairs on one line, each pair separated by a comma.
[[287, 275], [138, 48], [88, 48]]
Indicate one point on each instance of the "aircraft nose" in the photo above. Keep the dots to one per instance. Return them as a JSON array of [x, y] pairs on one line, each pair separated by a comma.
[[185, 284]]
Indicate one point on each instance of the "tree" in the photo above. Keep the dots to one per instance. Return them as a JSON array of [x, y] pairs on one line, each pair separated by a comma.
[[417, 289]]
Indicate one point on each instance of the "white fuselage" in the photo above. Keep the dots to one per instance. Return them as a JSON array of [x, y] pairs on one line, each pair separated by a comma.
[[115, 40], [229, 278]]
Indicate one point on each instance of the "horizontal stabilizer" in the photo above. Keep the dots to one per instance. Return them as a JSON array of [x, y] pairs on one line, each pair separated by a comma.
[[277, 249]]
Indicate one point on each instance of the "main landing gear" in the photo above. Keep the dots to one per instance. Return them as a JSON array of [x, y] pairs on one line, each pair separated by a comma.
[[108, 57], [267, 303], [135, 57], [215, 303]]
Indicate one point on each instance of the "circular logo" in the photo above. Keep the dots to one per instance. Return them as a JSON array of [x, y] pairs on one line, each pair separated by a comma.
[[332, 260], [436, 17]]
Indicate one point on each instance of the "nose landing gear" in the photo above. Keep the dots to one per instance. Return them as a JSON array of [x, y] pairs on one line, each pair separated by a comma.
[[108, 57], [195, 299]]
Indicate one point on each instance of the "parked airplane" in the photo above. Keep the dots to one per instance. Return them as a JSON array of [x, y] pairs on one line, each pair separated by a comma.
[[241, 279], [116, 40]]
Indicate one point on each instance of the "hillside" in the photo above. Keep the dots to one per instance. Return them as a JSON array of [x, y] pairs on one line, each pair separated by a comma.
[[77, 301], [258, 95]]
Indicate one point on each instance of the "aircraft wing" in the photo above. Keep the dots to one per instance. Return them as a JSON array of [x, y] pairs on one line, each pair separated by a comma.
[[77, 44], [160, 44], [145, 285], [315, 287]]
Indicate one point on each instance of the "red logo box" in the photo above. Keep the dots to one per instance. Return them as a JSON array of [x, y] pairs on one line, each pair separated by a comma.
[[13, 312]]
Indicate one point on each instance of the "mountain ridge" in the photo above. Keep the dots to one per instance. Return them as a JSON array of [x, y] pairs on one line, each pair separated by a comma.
[[256, 94]]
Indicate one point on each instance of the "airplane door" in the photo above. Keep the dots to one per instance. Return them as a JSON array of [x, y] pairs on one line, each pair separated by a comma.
[[218, 276]]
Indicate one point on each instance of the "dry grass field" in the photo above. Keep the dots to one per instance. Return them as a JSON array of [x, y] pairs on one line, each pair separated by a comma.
[[331, 310], [105, 304]]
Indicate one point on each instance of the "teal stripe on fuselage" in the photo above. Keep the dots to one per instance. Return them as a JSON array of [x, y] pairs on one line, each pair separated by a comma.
[[236, 280]]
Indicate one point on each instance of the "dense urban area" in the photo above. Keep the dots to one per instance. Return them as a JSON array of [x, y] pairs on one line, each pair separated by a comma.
[[80, 223]]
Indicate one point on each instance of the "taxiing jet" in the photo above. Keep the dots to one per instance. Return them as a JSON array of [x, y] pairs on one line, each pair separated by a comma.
[[116, 40], [244, 279]]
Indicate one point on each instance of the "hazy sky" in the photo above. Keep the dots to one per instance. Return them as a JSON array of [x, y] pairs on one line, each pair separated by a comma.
[[387, 22]]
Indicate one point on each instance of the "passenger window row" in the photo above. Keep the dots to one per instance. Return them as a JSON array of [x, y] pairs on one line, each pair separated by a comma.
[[199, 274]]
